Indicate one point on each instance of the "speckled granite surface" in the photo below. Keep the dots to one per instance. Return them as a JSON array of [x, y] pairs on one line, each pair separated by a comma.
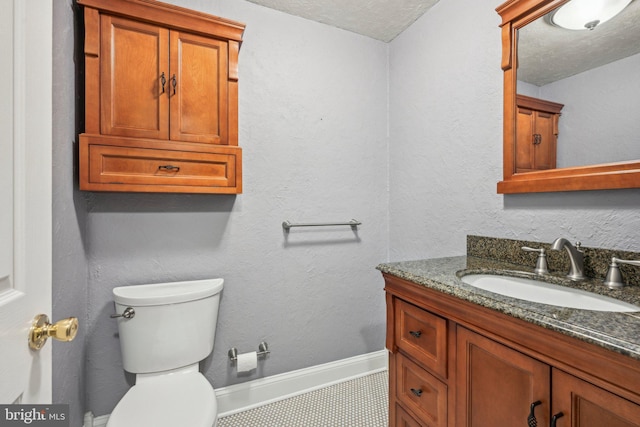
[[619, 332]]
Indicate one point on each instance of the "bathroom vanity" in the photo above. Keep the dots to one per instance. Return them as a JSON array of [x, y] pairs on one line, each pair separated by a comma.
[[462, 356]]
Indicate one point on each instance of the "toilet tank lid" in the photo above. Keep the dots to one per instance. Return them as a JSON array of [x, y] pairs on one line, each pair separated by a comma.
[[167, 293]]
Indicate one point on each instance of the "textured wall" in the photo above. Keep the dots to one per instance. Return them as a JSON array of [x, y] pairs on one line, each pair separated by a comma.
[[446, 148], [313, 127], [313, 124], [604, 95], [69, 218]]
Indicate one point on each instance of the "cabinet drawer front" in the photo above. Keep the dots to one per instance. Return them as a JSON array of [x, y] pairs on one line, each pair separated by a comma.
[[143, 166], [421, 392], [403, 419], [422, 335]]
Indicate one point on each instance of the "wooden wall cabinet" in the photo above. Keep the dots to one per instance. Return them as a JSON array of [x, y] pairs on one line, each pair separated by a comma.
[[454, 363], [536, 134], [161, 99]]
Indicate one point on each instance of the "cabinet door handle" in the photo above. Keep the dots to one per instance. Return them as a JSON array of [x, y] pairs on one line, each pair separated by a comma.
[[169, 168], [531, 419], [555, 418], [174, 83], [417, 392], [163, 80], [416, 333]]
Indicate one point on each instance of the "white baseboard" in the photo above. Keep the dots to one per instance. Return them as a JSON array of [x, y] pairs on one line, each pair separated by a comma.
[[252, 394]]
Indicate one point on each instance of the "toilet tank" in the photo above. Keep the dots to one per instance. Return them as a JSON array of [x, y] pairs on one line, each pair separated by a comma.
[[173, 326]]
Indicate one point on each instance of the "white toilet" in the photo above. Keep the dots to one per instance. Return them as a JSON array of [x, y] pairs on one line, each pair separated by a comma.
[[165, 330]]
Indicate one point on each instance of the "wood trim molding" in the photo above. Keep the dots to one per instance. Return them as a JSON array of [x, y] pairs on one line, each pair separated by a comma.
[[171, 16], [515, 14]]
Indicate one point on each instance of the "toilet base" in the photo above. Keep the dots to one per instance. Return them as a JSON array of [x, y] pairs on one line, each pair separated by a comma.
[[182, 397]]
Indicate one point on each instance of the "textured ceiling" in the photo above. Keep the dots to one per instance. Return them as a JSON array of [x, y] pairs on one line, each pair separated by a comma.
[[547, 53], [378, 19]]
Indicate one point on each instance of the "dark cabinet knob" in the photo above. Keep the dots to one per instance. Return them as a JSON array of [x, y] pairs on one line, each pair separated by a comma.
[[416, 334]]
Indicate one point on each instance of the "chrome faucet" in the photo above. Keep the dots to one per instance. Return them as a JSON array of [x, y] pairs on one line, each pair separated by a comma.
[[576, 257]]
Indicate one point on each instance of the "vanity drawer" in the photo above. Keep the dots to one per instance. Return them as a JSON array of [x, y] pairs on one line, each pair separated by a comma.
[[422, 335], [403, 419], [421, 392]]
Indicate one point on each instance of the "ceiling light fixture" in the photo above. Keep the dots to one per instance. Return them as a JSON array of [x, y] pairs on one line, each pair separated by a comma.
[[586, 14]]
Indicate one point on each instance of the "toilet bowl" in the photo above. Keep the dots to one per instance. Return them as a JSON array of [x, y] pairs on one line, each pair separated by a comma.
[[171, 330]]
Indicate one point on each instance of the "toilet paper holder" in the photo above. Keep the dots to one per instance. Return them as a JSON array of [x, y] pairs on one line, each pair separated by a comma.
[[263, 350]]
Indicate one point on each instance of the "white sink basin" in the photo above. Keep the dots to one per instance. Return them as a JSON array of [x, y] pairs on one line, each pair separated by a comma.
[[546, 293]]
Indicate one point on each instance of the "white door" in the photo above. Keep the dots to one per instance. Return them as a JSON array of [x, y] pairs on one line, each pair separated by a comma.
[[25, 196]]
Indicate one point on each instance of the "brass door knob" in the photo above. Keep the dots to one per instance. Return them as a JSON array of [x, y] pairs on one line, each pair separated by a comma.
[[41, 330]]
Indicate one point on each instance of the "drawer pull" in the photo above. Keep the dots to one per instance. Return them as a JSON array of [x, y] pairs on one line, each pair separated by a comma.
[[417, 392], [416, 334], [163, 80], [169, 168], [531, 419], [555, 418]]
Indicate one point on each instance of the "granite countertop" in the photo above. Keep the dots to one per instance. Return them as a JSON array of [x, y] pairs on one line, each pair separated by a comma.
[[619, 332]]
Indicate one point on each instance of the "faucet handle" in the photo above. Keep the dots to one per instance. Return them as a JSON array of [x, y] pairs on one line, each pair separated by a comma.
[[541, 262], [613, 279]]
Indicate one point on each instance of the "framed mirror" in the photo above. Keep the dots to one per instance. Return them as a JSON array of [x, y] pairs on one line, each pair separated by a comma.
[[571, 100]]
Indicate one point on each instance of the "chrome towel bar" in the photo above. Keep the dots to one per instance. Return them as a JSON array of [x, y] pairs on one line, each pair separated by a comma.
[[354, 223]]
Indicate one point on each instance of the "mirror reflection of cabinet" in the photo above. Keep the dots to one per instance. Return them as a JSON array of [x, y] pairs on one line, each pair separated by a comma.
[[536, 134]]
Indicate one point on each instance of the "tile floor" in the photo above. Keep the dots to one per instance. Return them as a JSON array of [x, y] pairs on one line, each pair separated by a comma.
[[361, 402]]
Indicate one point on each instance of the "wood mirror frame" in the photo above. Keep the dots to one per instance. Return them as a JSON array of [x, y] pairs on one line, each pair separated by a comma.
[[516, 14]]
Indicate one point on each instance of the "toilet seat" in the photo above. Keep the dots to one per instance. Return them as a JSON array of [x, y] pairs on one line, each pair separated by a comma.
[[178, 399]]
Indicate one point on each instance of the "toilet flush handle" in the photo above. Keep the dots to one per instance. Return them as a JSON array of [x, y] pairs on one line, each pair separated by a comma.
[[128, 313]]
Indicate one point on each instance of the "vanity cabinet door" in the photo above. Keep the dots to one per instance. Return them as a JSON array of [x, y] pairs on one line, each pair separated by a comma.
[[496, 385], [586, 405]]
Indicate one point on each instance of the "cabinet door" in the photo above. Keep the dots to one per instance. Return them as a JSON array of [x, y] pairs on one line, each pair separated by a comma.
[[536, 140], [585, 405], [198, 89], [496, 385], [134, 57], [524, 140], [545, 148]]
